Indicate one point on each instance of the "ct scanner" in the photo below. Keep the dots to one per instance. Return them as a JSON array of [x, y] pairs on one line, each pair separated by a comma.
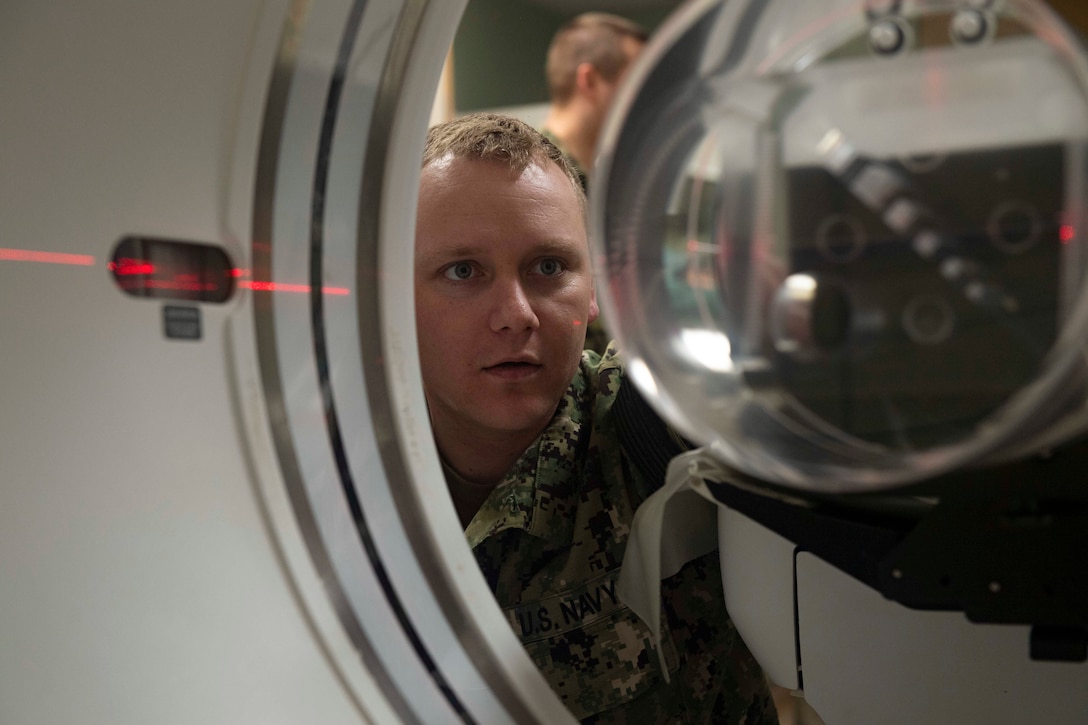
[[219, 497]]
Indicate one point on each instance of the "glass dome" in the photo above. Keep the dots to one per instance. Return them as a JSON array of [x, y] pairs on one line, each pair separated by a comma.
[[844, 241]]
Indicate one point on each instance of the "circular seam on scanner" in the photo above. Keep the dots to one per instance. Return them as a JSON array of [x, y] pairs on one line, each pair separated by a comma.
[[496, 652], [321, 355], [266, 180]]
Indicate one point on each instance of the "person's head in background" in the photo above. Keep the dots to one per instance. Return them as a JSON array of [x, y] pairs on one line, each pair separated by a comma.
[[586, 61], [504, 288]]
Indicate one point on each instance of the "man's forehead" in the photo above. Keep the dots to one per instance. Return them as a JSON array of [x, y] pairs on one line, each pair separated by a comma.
[[463, 215], [443, 248], [440, 163], [451, 163], [443, 177]]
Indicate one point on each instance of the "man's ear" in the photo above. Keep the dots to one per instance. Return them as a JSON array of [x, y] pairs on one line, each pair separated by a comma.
[[586, 79], [594, 310]]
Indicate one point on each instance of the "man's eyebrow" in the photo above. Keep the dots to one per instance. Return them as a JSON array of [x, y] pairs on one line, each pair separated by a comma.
[[564, 246], [444, 256], [459, 252], [470, 251]]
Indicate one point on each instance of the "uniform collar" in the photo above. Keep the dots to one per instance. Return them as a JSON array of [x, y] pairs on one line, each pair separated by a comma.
[[539, 495]]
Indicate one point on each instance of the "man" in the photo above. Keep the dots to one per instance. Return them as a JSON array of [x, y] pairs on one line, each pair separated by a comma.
[[587, 59], [523, 421]]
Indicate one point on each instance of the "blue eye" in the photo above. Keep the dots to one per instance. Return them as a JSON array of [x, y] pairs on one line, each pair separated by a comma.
[[459, 271], [549, 267]]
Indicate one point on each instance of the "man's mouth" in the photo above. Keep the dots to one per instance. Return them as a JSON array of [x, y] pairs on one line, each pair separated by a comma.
[[513, 370], [512, 366]]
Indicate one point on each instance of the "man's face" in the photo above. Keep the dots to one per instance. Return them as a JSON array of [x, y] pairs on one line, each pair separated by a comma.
[[504, 292]]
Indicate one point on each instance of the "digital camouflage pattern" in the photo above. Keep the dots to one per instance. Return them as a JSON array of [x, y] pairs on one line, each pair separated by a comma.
[[597, 336], [550, 540]]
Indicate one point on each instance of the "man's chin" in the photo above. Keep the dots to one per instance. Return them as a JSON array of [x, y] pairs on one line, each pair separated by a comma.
[[519, 419]]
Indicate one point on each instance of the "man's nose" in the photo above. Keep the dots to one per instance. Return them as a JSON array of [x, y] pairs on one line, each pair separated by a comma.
[[512, 309]]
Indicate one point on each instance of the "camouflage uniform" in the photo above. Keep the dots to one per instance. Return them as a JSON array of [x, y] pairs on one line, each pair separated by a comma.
[[550, 540]]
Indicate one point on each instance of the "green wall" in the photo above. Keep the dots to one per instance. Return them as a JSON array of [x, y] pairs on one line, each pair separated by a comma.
[[498, 53]]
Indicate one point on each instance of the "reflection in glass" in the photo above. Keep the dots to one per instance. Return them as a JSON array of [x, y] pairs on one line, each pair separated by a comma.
[[869, 268]]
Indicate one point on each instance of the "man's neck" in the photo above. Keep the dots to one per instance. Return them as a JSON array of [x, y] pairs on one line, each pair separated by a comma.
[[576, 136], [480, 458]]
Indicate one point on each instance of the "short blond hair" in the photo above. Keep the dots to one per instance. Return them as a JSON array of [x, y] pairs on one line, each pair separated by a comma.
[[594, 38], [494, 137]]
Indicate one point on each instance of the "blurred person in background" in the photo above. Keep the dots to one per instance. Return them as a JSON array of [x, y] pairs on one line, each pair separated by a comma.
[[587, 59]]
